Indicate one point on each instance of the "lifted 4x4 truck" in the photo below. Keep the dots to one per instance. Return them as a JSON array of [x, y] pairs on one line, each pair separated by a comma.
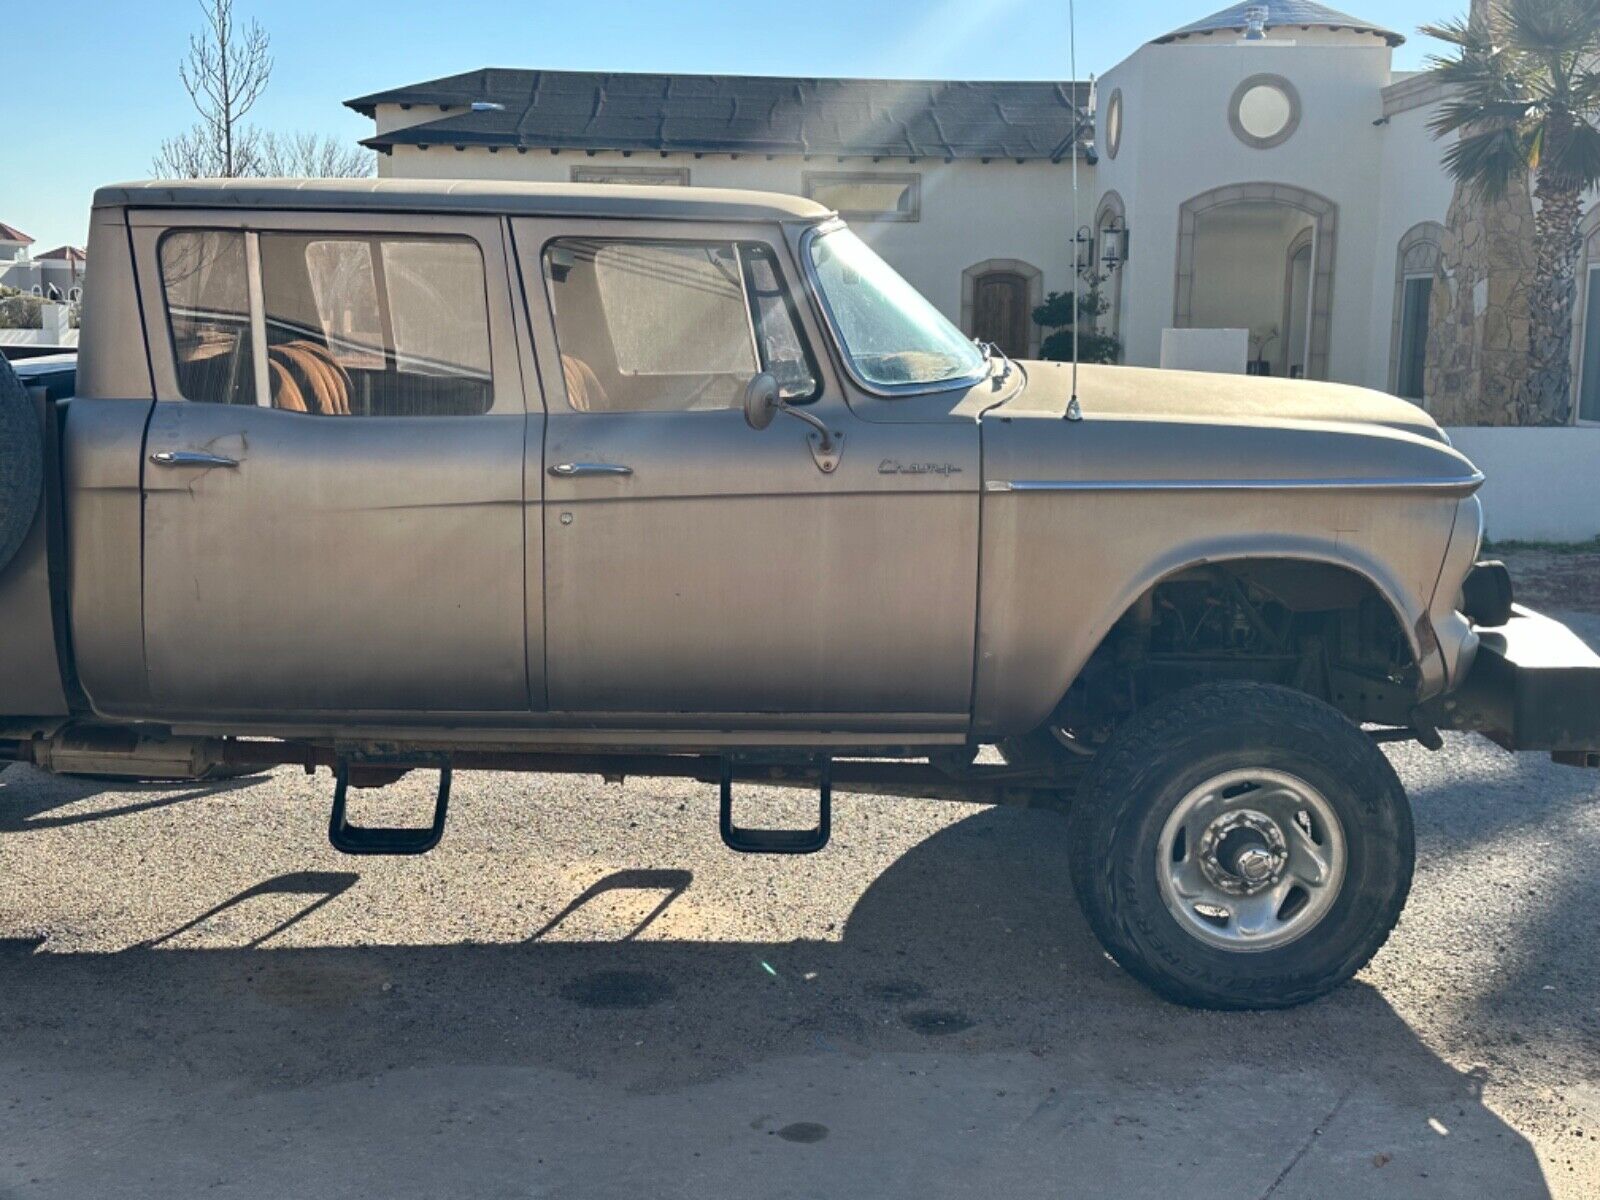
[[383, 476]]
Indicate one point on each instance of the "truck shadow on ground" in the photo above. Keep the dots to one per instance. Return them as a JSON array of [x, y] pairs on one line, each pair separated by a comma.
[[53, 801], [963, 966]]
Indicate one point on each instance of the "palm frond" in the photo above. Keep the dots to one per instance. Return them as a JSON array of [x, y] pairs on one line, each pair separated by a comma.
[[1487, 161], [1454, 32], [1584, 100], [1573, 158], [1552, 29], [1460, 113], [1521, 80]]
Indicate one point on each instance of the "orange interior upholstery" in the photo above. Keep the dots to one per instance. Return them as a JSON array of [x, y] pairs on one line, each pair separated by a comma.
[[285, 392], [584, 392], [312, 380]]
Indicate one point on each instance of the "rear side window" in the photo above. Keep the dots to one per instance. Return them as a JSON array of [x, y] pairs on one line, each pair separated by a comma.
[[671, 326], [355, 324], [208, 310], [388, 326]]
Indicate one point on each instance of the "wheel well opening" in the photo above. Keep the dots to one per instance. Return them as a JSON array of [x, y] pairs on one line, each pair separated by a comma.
[[1317, 627]]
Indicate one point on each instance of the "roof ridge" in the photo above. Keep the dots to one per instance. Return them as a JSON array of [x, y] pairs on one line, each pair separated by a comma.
[[1281, 14], [733, 114]]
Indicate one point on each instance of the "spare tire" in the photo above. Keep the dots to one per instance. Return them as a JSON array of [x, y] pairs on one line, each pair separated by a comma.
[[21, 463]]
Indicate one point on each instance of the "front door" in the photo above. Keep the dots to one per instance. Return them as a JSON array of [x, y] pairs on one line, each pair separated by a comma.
[[697, 566], [333, 472], [1000, 311]]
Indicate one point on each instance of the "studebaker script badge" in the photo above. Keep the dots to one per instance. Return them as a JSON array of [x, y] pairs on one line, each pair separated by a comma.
[[890, 466]]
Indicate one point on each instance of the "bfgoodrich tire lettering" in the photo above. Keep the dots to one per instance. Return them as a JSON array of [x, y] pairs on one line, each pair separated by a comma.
[[1157, 759], [21, 463]]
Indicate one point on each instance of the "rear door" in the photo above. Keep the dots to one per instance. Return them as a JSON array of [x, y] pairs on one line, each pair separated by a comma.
[[333, 473]]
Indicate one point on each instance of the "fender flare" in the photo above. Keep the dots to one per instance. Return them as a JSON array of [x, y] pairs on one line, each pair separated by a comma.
[[1411, 614]]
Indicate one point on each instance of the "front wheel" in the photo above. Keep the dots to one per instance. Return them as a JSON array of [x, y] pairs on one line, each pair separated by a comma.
[[1241, 845]]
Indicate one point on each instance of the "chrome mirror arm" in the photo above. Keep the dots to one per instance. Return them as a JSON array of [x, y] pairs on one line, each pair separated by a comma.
[[812, 420], [826, 444]]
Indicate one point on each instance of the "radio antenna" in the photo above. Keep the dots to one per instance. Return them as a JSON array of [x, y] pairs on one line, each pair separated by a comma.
[[1074, 413]]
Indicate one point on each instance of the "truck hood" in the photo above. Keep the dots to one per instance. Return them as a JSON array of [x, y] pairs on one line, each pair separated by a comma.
[[1147, 393], [1163, 430]]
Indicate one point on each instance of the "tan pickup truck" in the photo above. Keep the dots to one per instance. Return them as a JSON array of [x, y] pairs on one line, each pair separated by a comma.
[[384, 476]]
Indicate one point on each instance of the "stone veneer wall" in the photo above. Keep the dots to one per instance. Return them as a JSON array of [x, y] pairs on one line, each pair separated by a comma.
[[1477, 362], [1478, 323]]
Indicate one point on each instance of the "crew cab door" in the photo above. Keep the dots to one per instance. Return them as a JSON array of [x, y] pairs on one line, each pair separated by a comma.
[[333, 471], [694, 565]]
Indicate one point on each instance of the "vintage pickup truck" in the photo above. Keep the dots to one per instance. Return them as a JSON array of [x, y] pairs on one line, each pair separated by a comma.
[[380, 476]]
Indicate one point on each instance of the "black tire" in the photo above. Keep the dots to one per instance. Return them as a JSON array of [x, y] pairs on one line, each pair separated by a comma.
[[1172, 748], [21, 463]]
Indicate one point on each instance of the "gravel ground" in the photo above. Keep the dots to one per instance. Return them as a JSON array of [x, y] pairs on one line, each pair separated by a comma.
[[1555, 579], [582, 994]]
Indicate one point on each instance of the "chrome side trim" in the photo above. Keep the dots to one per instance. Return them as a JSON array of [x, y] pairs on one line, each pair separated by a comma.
[[1463, 484]]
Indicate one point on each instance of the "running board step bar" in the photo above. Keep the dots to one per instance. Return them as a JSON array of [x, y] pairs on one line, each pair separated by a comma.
[[356, 839], [777, 841]]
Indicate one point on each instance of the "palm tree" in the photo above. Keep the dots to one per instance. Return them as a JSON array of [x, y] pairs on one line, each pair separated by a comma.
[[1524, 98]]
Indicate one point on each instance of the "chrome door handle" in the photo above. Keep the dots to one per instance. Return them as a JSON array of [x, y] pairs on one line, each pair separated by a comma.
[[573, 470], [191, 458]]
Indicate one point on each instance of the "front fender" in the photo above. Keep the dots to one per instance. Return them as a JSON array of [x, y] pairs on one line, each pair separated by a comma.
[[1063, 559]]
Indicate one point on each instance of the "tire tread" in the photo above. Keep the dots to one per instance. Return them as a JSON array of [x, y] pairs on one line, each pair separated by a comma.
[[1117, 788]]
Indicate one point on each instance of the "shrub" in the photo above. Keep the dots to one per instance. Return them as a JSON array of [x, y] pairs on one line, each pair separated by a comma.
[[20, 310]]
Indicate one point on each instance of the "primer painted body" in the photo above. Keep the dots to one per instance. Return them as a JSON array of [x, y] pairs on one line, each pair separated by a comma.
[[441, 578]]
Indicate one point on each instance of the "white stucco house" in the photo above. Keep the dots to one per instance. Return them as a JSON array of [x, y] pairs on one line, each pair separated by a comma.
[[51, 275], [1263, 170]]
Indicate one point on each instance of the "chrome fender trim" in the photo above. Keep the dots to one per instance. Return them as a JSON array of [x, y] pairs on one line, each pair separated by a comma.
[[1461, 485]]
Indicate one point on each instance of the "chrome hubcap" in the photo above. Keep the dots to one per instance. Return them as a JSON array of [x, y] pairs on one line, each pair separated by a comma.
[[1251, 860]]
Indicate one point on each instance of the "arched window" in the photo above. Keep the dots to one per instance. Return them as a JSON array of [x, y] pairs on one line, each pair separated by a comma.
[[1416, 262], [1587, 342]]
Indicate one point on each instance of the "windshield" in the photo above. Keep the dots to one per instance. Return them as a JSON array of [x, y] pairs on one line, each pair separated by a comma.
[[892, 335]]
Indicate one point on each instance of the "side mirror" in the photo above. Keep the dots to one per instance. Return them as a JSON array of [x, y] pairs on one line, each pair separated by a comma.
[[761, 402]]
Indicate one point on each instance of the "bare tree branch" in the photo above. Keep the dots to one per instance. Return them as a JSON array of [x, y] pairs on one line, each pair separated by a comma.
[[225, 73], [312, 156], [227, 69]]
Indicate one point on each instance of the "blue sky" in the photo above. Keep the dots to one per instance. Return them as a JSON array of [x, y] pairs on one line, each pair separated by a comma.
[[104, 91]]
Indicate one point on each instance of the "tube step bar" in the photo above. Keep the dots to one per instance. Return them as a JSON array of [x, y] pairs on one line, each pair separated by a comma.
[[778, 841], [356, 839]]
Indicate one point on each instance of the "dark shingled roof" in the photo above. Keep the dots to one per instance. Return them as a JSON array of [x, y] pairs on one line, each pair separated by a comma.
[[742, 114], [1281, 14]]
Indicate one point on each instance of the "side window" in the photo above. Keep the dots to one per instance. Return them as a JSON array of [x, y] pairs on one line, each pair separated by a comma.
[[208, 311], [391, 326], [666, 326]]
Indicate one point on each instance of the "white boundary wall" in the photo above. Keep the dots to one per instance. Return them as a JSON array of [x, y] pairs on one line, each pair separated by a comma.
[[1542, 484]]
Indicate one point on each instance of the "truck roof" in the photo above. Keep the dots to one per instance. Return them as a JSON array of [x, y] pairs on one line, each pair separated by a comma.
[[464, 195]]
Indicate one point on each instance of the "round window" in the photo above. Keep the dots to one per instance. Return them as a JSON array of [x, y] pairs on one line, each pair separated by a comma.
[[1265, 111], [1114, 124]]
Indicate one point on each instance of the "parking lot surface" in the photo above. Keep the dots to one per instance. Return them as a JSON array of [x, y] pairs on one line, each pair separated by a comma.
[[582, 994]]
